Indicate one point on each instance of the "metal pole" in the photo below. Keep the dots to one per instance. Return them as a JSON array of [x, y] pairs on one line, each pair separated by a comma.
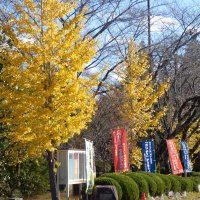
[[149, 31], [67, 181], [57, 175]]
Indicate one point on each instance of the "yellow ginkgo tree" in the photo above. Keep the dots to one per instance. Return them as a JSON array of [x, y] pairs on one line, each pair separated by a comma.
[[140, 95], [47, 97]]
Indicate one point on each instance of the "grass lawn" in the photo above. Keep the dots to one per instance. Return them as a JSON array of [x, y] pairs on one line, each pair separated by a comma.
[[190, 196], [47, 196]]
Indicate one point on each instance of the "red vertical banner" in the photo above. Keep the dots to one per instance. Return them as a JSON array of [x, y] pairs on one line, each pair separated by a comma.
[[175, 161], [120, 150]]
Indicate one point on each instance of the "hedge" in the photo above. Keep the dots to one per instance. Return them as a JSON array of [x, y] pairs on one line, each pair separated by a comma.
[[176, 185], [186, 184], [196, 182], [129, 187], [189, 185], [151, 183], [196, 174], [109, 181], [141, 182], [168, 185], [160, 183]]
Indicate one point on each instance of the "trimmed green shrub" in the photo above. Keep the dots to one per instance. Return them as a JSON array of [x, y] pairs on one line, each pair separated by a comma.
[[151, 183], [189, 186], [186, 184], [196, 182], [196, 174], [160, 184], [130, 190], [176, 185], [141, 182], [109, 181], [167, 182]]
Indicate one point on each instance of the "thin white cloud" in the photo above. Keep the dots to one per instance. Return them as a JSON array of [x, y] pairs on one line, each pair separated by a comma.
[[159, 23]]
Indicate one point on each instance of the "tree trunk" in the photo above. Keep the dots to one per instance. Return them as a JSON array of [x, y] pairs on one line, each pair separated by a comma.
[[52, 179], [161, 155]]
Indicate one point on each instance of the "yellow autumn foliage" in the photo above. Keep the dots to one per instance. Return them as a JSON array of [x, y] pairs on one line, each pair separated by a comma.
[[194, 135], [140, 94], [48, 97], [191, 141]]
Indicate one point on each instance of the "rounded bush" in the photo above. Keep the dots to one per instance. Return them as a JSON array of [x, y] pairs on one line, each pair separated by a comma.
[[176, 185], [186, 184], [151, 183], [130, 190], [196, 182], [189, 185], [160, 184], [167, 182], [141, 182], [196, 174], [109, 181]]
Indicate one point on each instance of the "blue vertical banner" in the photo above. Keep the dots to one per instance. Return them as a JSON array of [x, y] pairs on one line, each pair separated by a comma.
[[185, 157], [148, 153]]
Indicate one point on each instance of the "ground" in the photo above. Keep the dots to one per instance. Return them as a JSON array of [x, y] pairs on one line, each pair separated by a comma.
[[190, 196]]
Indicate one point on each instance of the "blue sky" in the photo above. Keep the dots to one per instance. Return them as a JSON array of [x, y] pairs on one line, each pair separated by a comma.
[[181, 3], [187, 2]]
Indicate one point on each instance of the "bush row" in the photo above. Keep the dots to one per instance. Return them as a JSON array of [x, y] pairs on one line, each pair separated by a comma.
[[131, 185], [196, 174], [128, 185]]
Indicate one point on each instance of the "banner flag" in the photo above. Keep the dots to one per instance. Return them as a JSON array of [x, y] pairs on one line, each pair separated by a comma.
[[89, 156], [174, 159], [148, 154], [120, 150], [185, 157]]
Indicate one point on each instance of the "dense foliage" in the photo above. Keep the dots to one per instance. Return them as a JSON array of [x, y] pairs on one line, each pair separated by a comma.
[[141, 182], [167, 182], [47, 97], [43, 88], [128, 185], [139, 97], [186, 184], [176, 185], [26, 179], [110, 181], [159, 182], [152, 184]]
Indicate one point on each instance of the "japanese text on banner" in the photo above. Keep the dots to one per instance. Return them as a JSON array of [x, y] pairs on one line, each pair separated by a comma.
[[120, 150]]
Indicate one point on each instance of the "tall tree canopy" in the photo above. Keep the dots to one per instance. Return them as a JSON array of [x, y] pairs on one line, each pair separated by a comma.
[[132, 103], [140, 96], [47, 97]]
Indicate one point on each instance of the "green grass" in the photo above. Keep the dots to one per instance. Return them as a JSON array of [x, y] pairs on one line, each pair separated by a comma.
[[48, 197]]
